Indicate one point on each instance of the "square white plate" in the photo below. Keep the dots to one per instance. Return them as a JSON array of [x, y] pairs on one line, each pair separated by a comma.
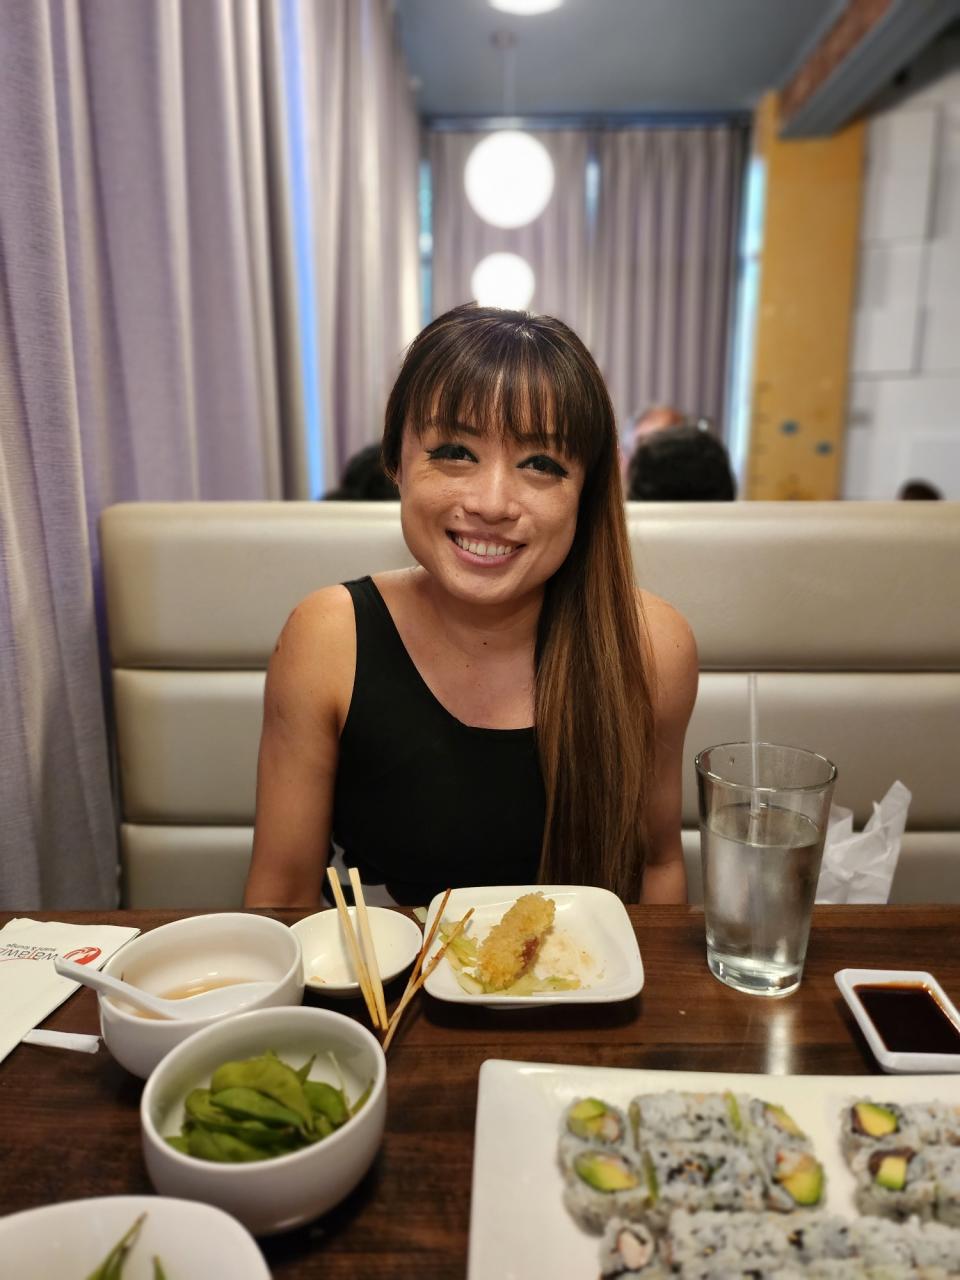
[[898, 1062], [193, 1241], [519, 1229], [594, 919]]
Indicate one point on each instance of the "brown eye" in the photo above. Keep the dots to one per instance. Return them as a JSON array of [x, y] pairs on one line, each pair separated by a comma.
[[545, 465], [451, 453]]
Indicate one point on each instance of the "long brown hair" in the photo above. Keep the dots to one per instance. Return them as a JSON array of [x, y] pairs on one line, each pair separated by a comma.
[[515, 374]]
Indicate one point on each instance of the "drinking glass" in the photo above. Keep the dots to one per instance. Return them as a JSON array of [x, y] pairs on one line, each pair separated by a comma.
[[763, 818]]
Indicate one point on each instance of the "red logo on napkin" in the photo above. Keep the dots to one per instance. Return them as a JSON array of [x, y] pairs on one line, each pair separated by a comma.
[[83, 955]]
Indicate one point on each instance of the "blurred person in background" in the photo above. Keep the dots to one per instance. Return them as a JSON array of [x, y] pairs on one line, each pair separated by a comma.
[[684, 464], [919, 489], [656, 417], [364, 479]]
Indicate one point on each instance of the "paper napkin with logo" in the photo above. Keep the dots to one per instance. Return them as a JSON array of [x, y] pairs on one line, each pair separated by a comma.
[[30, 987]]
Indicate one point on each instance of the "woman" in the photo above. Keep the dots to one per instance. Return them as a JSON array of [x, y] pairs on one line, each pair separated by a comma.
[[511, 709]]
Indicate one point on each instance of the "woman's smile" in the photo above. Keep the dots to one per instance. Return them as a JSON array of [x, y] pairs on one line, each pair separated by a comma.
[[485, 550]]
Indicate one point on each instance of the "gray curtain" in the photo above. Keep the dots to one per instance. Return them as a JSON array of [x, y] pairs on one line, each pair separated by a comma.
[[643, 271], [153, 335], [361, 152], [556, 244], [664, 265]]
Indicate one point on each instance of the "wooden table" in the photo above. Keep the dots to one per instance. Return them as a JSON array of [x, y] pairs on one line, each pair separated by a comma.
[[69, 1122]]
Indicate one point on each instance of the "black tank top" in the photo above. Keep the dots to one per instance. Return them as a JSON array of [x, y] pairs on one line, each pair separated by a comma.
[[424, 802]]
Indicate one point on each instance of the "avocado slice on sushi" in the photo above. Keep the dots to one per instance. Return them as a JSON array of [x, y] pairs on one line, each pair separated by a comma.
[[591, 1118], [892, 1173], [874, 1120], [604, 1171], [803, 1179], [889, 1167], [733, 1111], [782, 1118]]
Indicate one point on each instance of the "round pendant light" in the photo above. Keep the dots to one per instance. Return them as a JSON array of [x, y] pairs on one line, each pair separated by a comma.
[[503, 280], [525, 6], [509, 178]]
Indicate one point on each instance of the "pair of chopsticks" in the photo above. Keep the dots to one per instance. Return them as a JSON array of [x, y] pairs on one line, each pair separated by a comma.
[[362, 954], [364, 957], [419, 975]]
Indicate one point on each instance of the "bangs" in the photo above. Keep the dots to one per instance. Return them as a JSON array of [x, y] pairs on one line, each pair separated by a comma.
[[512, 379]]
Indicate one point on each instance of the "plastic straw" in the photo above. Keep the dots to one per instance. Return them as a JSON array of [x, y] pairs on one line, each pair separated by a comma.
[[754, 756]]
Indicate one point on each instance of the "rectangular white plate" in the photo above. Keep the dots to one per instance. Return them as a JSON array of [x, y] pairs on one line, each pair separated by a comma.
[[593, 918], [904, 1063], [519, 1229]]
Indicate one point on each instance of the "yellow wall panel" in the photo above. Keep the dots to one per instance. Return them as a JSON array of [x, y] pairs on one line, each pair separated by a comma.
[[808, 267]]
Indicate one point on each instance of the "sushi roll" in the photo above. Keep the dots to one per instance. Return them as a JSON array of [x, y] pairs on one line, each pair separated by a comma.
[[699, 1176], [770, 1127], [687, 1117], [936, 1247], [944, 1165], [894, 1182], [630, 1249], [771, 1246], [867, 1125], [602, 1184], [949, 1118], [719, 1244], [589, 1122]]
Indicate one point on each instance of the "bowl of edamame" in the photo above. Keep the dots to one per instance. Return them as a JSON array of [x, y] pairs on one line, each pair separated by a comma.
[[273, 1115]]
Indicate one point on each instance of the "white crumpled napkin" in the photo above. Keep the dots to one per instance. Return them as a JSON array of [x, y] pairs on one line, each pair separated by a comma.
[[860, 868], [30, 987]]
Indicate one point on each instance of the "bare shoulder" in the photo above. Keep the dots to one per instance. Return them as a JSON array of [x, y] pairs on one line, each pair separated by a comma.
[[315, 655], [673, 648]]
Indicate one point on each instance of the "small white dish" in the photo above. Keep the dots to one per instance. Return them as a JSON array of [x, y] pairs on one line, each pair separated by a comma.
[[327, 968], [594, 920], [898, 1062], [193, 1241]]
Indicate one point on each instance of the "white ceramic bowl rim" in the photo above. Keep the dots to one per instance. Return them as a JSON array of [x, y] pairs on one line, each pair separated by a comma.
[[148, 1027], [226, 1170], [328, 920]]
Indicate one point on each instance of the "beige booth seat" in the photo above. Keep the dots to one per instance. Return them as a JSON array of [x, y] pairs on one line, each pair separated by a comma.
[[849, 612]]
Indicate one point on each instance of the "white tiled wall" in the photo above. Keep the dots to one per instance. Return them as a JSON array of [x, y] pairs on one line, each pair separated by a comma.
[[904, 414]]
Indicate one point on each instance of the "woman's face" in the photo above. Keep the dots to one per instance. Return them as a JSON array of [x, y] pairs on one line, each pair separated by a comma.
[[490, 519]]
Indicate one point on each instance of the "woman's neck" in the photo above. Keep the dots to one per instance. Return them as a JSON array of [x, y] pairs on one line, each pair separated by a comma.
[[481, 630]]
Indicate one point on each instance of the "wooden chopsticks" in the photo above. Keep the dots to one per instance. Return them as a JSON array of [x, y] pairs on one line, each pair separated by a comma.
[[419, 975], [363, 977], [369, 954], [364, 958]]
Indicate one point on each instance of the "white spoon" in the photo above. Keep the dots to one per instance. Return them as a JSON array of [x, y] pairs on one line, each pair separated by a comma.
[[204, 1005]]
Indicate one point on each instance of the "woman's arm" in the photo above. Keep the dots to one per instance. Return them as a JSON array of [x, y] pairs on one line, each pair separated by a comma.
[[309, 681], [675, 691]]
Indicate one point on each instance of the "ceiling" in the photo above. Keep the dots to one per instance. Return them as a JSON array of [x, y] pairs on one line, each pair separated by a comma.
[[606, 57]]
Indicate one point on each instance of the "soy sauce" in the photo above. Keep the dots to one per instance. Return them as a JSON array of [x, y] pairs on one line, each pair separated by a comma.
[[909, 1018]]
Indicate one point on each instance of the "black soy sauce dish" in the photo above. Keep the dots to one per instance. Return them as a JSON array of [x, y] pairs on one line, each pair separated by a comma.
[[910, 1023]]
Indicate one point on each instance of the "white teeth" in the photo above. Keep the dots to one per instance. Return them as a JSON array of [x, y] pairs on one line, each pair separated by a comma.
[[491, 549]]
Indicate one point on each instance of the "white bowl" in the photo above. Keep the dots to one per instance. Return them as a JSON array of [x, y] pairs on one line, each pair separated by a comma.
[[200, 949], [192, 1241], [327, 967], [269, 1195]]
